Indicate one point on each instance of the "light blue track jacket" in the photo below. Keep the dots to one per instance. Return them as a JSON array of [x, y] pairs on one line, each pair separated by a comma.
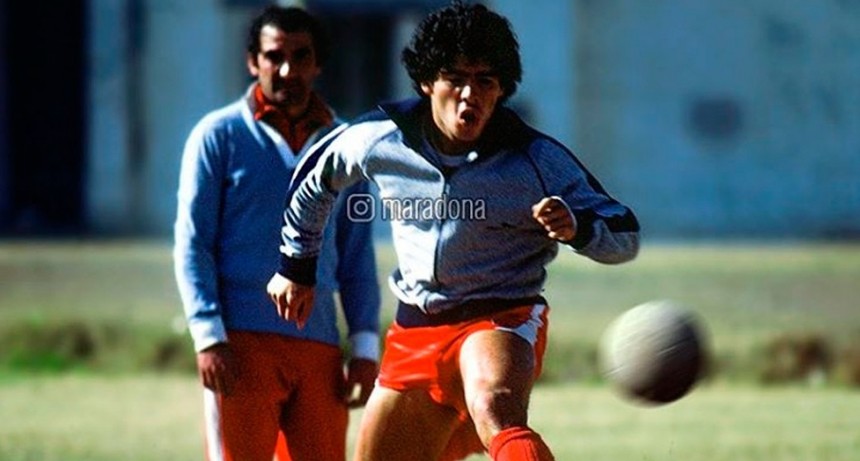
[[234, 178], [447, 261]]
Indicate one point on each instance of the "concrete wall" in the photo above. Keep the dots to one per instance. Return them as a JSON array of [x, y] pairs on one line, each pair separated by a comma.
[[547, 39], [712, 118], [724, 118], [157, 67]]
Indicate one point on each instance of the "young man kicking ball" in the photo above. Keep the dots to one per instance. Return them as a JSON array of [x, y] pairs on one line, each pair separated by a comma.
[[470, 329]]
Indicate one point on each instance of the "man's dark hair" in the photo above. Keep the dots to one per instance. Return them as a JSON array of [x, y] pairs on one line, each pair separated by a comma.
[[474, 32], [289, 20]]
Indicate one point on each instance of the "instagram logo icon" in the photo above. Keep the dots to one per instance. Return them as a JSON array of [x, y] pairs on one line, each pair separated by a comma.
[[360, 208]]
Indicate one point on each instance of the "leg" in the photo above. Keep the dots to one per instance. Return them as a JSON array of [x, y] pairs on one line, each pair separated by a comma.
[[244, 425], [314, 419], [498, 370], [313, 428], [463, 443], [282, 451], [228, 438], [405, 426]]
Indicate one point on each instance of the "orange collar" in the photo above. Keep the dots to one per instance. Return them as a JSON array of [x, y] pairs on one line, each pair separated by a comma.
[[295, 132]]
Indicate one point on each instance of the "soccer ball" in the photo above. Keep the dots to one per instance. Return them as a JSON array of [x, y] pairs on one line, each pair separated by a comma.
[[654, 353]]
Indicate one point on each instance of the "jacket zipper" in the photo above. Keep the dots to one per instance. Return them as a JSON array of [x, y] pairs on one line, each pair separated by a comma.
[[439, 241]]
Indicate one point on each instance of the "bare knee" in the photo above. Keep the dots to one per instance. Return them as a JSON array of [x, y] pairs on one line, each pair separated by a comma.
[[496, 409], [497, 369]]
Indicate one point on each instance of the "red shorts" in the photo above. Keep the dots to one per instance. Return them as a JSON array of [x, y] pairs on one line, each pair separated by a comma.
[[427, 357], [287, 389]]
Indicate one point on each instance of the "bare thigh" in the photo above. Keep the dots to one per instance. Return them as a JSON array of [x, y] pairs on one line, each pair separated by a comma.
[[498, 373], [406, 426]]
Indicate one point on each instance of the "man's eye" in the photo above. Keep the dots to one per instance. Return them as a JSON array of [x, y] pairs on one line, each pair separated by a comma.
[[275, 58], [487, 82], [302, 55]]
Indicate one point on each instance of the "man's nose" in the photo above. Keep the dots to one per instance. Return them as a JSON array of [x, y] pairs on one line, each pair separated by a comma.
[[466, 92], [284, 70]]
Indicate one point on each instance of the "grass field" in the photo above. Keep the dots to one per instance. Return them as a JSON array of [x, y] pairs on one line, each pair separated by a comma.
[[103, 410], [157, 417]]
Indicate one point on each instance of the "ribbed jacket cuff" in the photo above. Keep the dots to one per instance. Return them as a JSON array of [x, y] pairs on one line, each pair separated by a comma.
[[365, 345], [584, 229], [299, 270], [206, 333]]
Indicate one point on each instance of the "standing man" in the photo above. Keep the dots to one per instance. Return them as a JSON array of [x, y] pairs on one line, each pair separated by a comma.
[[489, 200], [266, 381]]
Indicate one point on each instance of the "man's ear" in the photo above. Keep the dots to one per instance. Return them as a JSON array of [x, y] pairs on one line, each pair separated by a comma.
[[427, 88], [251, 61]]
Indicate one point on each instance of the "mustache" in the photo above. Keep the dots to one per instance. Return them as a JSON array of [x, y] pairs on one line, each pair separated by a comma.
[[289, 85]]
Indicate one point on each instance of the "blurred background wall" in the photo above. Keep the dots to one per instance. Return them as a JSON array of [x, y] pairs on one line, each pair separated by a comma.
[[712, 118]]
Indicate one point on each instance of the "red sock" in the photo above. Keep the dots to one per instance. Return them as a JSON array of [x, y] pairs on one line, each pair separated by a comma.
[[519, 444]]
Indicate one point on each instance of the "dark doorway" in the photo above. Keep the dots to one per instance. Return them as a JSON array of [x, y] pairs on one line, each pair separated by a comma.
[[44, 93], [358, 74]]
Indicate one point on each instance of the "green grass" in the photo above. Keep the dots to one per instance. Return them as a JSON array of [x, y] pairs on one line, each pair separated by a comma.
[[114, 306], [127, 282], [715, 423], [93, 418], [743, 292], [78, 318], [158, 417]]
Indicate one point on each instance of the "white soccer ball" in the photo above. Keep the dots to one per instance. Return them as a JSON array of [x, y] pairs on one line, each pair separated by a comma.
[[655, 352]]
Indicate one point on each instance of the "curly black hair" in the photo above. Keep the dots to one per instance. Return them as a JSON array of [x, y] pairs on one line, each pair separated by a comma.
[[291, 19], [469, 31]]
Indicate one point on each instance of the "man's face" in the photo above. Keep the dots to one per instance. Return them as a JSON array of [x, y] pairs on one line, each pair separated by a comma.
[[286, 68], [462, 98]]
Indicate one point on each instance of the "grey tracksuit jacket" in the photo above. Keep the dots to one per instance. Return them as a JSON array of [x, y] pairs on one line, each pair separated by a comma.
[[464, 235]]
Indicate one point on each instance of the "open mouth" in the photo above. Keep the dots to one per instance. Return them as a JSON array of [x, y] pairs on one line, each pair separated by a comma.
[[469, 117]]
